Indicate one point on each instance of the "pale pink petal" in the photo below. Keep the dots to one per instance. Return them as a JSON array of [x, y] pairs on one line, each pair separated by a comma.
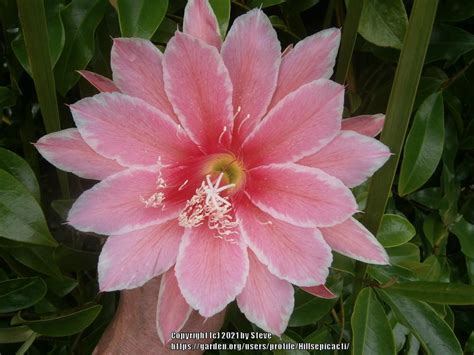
[[303, 196], [351, 157], [100, 82], [131, 259], [301, 123], [67, 150], [297, 255], [138, 71], [266, 300], [211, 271], [200, 90], [311, 59], [251, 53], [354, 240], [129, 130], [369, 125], [199, 21], [117, 205], [320, 291], [172, 311]]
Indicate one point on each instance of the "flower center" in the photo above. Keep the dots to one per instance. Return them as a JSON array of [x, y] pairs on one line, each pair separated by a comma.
[[228, 169]]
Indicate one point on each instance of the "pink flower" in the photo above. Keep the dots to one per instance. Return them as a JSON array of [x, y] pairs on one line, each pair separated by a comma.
[[223, 167]]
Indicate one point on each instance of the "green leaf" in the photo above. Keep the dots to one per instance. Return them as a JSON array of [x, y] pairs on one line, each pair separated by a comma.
[[140, 18], [21, 218], [297, 6], [264, 3], [430, 329], [166, 30], [70, 259], [455, 10], [429, 197], [7, 97], [61, 287], [80, 18], [19, 169], [404, 255], [38, 258], [27, 344], [395, 230], [465, 233], [435, 292], [449, 43], [384, 22], [65, 325], [222, 10], [21, 293], [424, 145], [15, 334], [371, 331]]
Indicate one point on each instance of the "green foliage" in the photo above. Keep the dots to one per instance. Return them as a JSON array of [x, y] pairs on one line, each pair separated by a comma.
[[140, 18]]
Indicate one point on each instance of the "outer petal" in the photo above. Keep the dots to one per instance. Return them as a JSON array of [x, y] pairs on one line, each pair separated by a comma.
[[211, 272], [352, 239], [369, 125], [200, 22], [312, 58], [199, 87], [303, 196], [266, 300], [129, 130], [138, 71], [100, 82], [295, 254], [320, 291], [172, 311], [351, 157], [116, 204], [67, 150], [129, 260], [251, 53], [301, 124]]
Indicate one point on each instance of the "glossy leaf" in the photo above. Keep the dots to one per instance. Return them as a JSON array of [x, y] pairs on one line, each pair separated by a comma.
[[449, 43], [21, 218], [7, 97], [264, 3], [38, 258], [21, 293], [395, 230], [166, 30], [424, 145], [14, 334], [371, 331], [429, 197], [222, 11], [455, 10], [404, 254], [140, 18], [465, 233]]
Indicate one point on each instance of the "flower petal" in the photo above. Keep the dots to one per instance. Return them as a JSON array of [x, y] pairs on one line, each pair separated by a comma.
[[100, 82], [199, 21], [251, 53], [172, 311], [299, 125], [295, 254], [320, 291], [200, 90], [266, 300], [129, 130], [302, 196], [131, 259], [211, 271], [138, 71], [311, 59], [116, 205], [67, 150], [351, 157], [351, 238], [368, 125]]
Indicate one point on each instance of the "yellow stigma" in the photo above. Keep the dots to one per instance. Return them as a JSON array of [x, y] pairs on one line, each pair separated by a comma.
[[231, 168]]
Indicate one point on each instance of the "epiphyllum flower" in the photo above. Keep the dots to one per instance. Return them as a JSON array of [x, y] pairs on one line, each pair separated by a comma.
[[223, 167]]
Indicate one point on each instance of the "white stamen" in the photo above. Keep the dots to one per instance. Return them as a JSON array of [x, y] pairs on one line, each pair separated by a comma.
[[222, 134], [265, 223], [242, 123], [157, 198], [236, 113], [183, 185]]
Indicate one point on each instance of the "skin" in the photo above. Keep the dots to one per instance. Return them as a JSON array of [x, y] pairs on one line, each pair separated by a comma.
[[133, 330]]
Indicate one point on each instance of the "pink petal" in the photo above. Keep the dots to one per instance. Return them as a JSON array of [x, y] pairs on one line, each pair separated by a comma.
[[131, 259], [352, 239], [369, 125], [172, 311], [67, 150], [251, 53], [311, 59], [299, 125], [320, 291], [295, 254], [211, 271], [138, 71], [199, 21], [199, 87], [116, 205], [100, 82], [129, 130], [351, 157], [266, 300], [303, 196]]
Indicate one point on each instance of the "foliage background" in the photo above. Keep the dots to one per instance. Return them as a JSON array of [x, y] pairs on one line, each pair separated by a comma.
[[421, 303]]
